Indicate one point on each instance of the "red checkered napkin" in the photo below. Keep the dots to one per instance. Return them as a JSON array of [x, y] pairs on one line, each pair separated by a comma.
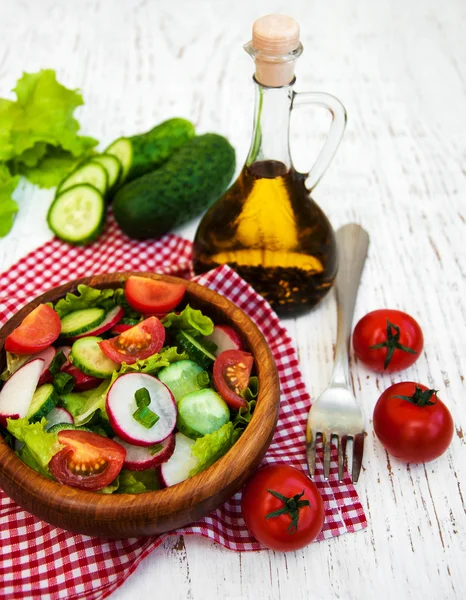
[[38, 560]]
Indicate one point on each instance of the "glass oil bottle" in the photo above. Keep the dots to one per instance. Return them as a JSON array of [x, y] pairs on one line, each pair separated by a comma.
[[266, 226]]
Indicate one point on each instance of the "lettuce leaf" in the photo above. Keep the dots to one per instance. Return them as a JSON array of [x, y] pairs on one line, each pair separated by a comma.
[[74, 402], [209, 448], [135, 482], [8, 207], [87, 297], [95, 402], [241, 418], [190, 320], [50, 169], [111, 487], [43, 113], [39, 445], [154, 363], [38, 137]]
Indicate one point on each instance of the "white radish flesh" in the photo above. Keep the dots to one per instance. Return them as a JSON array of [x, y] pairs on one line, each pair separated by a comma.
[[17, 393], [225, 338], [139, 458], [47, 355], [121, 406], [59, 415], [179, 465]]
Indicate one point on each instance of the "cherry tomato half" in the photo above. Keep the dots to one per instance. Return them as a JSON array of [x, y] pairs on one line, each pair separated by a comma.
[[88, 461], [232, 369], [37, 332], [416, 427], [387, 340], [141, 341], [151, 296], [272, 489]]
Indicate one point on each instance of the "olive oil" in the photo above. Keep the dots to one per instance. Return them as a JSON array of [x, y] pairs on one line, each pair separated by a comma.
[[268, 228]]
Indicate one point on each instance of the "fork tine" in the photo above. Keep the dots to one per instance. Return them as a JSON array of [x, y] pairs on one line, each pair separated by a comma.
[[358, 450], [342, 456], [327, 443], [311, 451]]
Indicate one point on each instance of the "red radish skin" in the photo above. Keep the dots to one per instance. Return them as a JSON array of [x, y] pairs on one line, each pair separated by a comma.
[[120, 328], [225, 338], [82, 382], [139, 458], [121, 405], [177, 468], [113, 316], [17, 393]]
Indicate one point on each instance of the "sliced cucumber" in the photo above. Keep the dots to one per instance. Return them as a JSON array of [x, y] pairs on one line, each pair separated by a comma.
[[81, 321], [87, 356], [43, 401], [201, 412], [183, 377], [60, 426], [91, 173], [195, 349], [77, 214], [122, 149], [111, 164]]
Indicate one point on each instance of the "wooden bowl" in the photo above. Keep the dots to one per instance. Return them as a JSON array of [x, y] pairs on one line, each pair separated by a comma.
[[128, 515]]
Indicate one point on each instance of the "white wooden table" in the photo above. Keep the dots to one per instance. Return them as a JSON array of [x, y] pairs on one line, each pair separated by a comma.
[[399, 66]]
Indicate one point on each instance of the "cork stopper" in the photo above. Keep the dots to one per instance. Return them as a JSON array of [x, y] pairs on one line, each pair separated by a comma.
[[275, 46]]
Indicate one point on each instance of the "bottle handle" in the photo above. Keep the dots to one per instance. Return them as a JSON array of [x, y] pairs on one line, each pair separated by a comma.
[[335, 133]]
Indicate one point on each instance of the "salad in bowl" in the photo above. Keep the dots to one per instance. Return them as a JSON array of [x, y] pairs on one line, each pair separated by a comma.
[[125, 389]]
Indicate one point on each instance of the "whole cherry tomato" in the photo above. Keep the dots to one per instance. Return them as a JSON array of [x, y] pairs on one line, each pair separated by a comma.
[[387, 340], [282, 508], [412, 423]]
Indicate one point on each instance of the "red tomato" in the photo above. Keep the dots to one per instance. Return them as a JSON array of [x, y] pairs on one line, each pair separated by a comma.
[[88, 461], [37, 332], [232, 370], [387, 340], [151, 296], [415, 428], [141, 341], [277, 487]]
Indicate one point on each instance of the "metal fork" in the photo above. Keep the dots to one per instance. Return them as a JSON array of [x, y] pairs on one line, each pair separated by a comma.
[[335, 415]]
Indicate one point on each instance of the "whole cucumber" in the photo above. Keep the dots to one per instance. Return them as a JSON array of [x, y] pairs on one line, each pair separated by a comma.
[[191, 180], [142, 153]]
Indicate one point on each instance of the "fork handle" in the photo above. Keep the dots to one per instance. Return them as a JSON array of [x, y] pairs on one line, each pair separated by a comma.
[[352, 242]]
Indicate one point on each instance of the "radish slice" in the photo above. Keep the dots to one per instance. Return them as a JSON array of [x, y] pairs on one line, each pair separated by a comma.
[[121, 406], [113, 316], [59, 415], [47, 355], [139, 458], [225, 338], [65, 349], [17, 393], [120, 328], [177, 468], [82, 382]]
